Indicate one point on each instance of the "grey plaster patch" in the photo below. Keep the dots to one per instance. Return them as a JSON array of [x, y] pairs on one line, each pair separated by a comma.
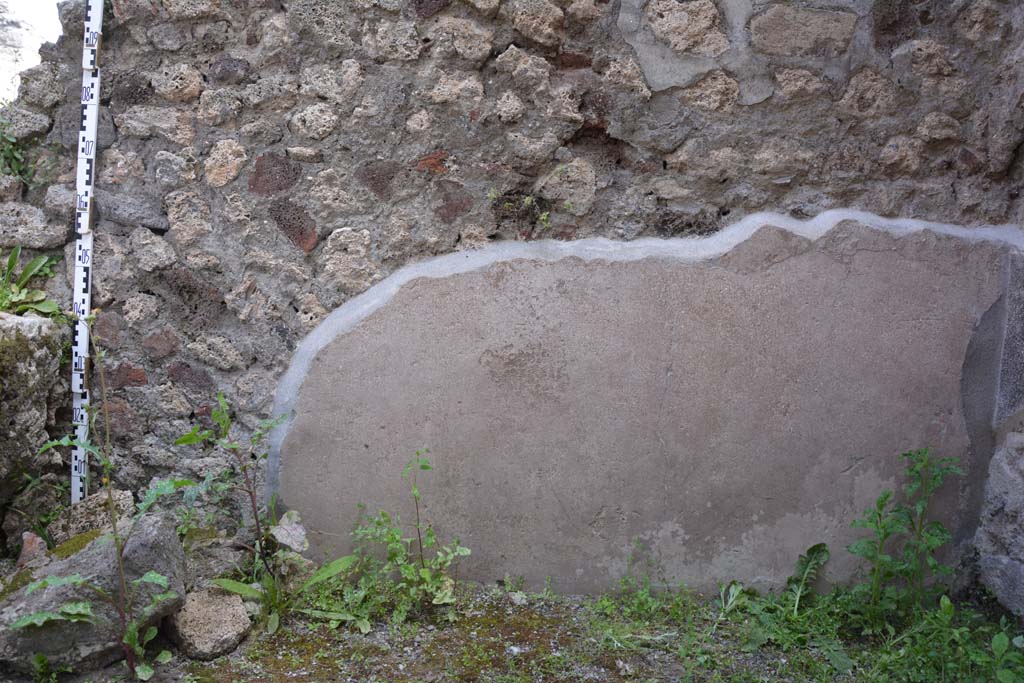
[[742, 558], [662, 67]]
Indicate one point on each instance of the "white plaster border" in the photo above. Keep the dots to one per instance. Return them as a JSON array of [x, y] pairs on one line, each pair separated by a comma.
[[686, 249]]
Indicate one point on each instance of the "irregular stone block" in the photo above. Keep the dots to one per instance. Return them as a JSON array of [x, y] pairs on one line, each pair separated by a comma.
[[169, 37], [144, 121], [131, 210], [10, 188], [152, 252], [869, 94], [725, 402], [26, 226], [152, 546], [22, 123], [393, 41], [43, 84], [999, 539], [688, 27], [229, 70], [537, 20], [273, 173], [316, 121], [191, 9], [224, 163], [91, 514], [210, 624], [791, 31], [30, 383], [295, 222], [218, 106], [178, 83]]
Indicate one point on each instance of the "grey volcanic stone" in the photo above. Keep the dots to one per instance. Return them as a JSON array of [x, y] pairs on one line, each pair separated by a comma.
[[210, 624], [131, 210], [30, 390], [1000, 537], [152, 546], [576, 398], [10, 188], [89, 514], [25, 225], [24, 123]]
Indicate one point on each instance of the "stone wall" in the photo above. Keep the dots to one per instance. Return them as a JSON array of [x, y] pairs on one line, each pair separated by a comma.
[[263, 162]]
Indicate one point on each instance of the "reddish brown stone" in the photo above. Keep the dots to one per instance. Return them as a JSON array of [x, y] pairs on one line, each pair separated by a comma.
[[433, 163], [273, 173], [198, 299], [106, 329], [124, 423], [573, 60], [160, 344], [377, 176], [456, 203], [190, 376], [295, 222], [33, 548], [126, 375]]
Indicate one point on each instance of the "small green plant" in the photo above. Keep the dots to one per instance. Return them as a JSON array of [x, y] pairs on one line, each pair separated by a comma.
[[1007, 663], [394, 575], [273, 558], [269, 560], [13, 160], [39, 521], [15, 295], [214, 488], [901, 550], [43, 672], [943, 644], [807, 567], [275, 598], [247, 460]]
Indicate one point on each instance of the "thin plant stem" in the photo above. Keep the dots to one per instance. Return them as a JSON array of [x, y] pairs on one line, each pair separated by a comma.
[[250, 489], [121, 600], [419, 533]]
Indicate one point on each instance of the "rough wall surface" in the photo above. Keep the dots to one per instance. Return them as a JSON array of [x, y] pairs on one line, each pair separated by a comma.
[[261, 162], [1000, 551], [31, 389], [727, 414]]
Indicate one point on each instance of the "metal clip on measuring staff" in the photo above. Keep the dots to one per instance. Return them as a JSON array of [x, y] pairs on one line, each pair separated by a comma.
[[81, 303]]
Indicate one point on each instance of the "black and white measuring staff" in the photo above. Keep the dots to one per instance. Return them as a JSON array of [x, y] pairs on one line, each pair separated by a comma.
[[81, 303]]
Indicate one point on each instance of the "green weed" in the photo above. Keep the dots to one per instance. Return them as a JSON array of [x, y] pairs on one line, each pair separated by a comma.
[[15, 295], [395, 576]]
